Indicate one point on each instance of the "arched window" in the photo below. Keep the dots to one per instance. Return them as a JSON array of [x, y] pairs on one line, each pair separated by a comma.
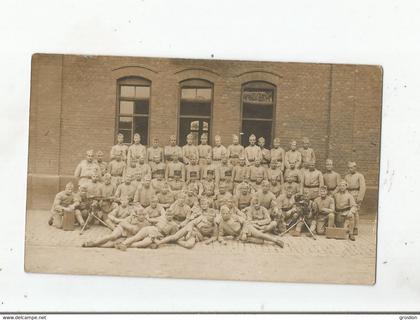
[[258, 110], [195, 109], [133, 108]]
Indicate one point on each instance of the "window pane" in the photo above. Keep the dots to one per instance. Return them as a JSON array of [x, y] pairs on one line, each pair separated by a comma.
[[141, 127], [142, 107], [258, 96], [125, 123], [143, 92], [127, 135], [195, 108], [186, 126], [251, 110], [194, 125], [203, 94], [126, 107], [259, 128], [205, 126], [188, 94], [127, 91]]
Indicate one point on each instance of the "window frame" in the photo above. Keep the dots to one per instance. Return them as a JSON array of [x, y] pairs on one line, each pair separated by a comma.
[[260, 84], [132, 81], [195, 83]]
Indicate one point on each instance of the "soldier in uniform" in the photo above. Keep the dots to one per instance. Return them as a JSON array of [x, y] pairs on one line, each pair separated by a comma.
[[265, 197], [304, 210], [293, 172], [204, 151], [155, 151], [191, 196], [158, 182], [265, 153], [172, 151], [232, 225], [157, 166], [284, 213], [136, 179], [86, 168], [93, 186], [225, 174], [126, 189], [119, 213], [116, 168], [209, 185], [119, 149], [177, 185], [194, 183], [274, 172], [103, 166], [277, 154], [293, 156], [192, 168], [324, 210], [275, 186], [84, 207], [222, 196], [132, 169], [243, 199], [136, 150], [356, 185], [219, 150], [210, 169], [144, 192], [125, 228], [290, 184], [144, 168], [252, 152], [345, 208], [189, 151], [308, 154], [257, 170], [311, 181], [331, 178], [64, 201], [240, 173], [235, 150], [166, 197], [181, 211], [155, 209], [259, 217], [174, 168], [199, 229], [106, 193]]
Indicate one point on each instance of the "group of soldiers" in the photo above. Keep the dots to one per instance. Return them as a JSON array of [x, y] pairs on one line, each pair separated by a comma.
[[151, 196]]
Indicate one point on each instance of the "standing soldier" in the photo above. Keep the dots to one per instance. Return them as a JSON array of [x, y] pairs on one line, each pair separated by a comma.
[[324, 210], [136, 150], [175, 168], [225, 174], [204, 151], [235, 150], [256, 170], [277, 153], [103, 166], [119, 149], [189, 151], [331, 178], [293, 156], [345, 208], [131, 169], [173, 150], [219, 150], [356, 185], [311, 181], [155, 151], [157, 166], [192, 169], [64, 202], [265, 153], [252, 152], [116, 168], [86, 168], [308, 154], [126, 189], [240, 173], [293, 172]]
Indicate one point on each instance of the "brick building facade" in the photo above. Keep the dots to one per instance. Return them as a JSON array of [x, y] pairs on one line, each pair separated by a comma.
[[79, 103]]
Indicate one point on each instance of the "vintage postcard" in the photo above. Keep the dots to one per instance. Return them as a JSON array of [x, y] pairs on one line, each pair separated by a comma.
[[203, 169]]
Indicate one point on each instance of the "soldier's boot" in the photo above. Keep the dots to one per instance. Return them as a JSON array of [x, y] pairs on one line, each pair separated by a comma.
[[355, 231], [50, 222], [352, 237]]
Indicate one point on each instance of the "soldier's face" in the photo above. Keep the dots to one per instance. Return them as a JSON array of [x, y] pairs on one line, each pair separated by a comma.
[[235, 140], [89, 157], [99, 157], [261, 143], [244, 191], [138, 177], [265, 187], [189, 140], [342, 186], [107, 180], [224, 160], [306, 145], [141, 160], [69, 190], [156, 143], [204, 205], [329, 166], [124, 202], [252, 140], [323, 193], [273, 165], [156, 160], [242, 162], [120, 139], [259, 179], [203, 140], [289, 179], [225, 215], [193, 161], [293, 146], [128, 180], [172, 141], [181, 202], [276, 144], [153, 203], [95, 178], [273, 182], [222, 189], [136, 139], [169, 216], [352, 169], [289, 193], [141, 216], [118, 157], [257, 205], [133, 164], [257, 163], [292, 165], [146, 183], [218, 142], [311, 167]]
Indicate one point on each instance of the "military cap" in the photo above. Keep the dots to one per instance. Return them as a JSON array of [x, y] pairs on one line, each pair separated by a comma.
[[328, 161], [69, 184], [323, 188], [190, 135], [276, 140], [351, 164], [261, 139], [252, 136], [89, 152], [99, 153], [204, 135]]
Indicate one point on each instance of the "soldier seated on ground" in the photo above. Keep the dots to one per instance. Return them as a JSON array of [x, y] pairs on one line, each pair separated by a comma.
[[64, 202], [161, 227], [324, 210], [144, 192], [259, 217], [202, 228], [181, 211], [265, 196], [285, 211], [126, 189], [84, 207], [222, 196], [232, 225], [304, 212], [166, 197], [128, 226], [119, 213], [155, 209], [290, 184], [243, 199]]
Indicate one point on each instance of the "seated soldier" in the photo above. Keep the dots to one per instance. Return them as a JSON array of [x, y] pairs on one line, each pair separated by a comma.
[[275, 187], [230, 203], [144, 168], [293, 172], [136, 180], [324, 209], [175, 168], [194, 184], [345, 208], [222, 196], [259, 217], [274, 172], [210, 169], [265, 196], [199, 229], [103, 166], [243, 199], [234, 226], [93, 186], [176, 185], [65, 201], [116, 168], [166, 197], [106, 194], [191, 196], [144, 192], [285, 214], [84, 207], [181, 211], [132, 169], [240, 174], [257, 184], [158, 182], [225, 174], [290, 184], [257, 171], [209, 196], [161, 227], [209, 184], [155, 209], [119, 213], [304, 212], [128, 226], [126, 189], [157, 166], [192, 170]]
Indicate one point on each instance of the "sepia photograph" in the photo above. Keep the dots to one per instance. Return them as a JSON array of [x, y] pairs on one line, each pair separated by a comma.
[[203, 169]]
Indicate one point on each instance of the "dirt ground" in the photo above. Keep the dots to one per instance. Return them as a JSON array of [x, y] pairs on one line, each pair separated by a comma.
[[49, 250]]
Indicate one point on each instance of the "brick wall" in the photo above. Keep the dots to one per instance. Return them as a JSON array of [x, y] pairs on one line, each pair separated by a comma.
[[73, 106]]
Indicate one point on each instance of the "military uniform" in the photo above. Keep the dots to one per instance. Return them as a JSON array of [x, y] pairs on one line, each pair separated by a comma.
[[131, 170], [235, 151], [259, 218], [204, 152], [324, 213], [308, 155], [103, 167], [357, 188], [166, 199], [189, 152], [293, 186], [170, 151], [157, 184], [155, 152], [119, 149], [225, 176], [265, 157], [136, 151], [144, 170], [331, 181], [176, 185], [62, 202], [192, 171], [266, 199], [143, 195], [243, 201], [311, 182], [275, 174], [252, 152], [277, 154], [85, 170], [345, 208], [181, 213], [292, 156], [294, 173], [157, 168], [175, 169], [156, 212], [285, 206], [257, 172], [221, 199], [218, 152], [106, 192], [240, 174], [210, 169], [195, 185], [209, 186], [275, 187], [126, 190], [116, 170]]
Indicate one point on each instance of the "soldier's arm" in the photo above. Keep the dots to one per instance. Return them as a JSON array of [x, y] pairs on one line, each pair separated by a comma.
[[338, 177], [299, 160], [78, 170], [184, 155], [362, 190], [321, 179], [313, 155], [267, 218], [167, 172]]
